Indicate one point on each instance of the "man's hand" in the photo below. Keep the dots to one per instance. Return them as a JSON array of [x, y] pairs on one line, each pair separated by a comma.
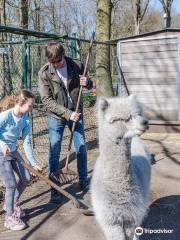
[[5, 150], [75, 116], [83, 81]]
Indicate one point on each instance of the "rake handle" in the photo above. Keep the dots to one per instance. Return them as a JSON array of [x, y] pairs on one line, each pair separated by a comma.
[[77, 105], [50, 183]]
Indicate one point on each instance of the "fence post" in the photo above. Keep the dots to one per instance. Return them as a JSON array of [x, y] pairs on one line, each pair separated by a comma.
[[24, 64], [73, 47], [178, 76], [26, 81], [28, 67]]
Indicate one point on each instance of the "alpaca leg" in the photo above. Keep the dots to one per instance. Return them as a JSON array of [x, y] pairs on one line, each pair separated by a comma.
[[114, 233], [135, 237]]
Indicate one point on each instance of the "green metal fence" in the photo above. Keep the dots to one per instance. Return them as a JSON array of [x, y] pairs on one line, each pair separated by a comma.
[[35, 58], [21, 62], [11, 73]]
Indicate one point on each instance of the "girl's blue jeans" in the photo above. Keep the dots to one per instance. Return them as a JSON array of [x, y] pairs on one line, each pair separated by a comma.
[[56, 129], [8, 167]]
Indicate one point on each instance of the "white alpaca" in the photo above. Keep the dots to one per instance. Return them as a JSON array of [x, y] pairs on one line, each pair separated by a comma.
[[121, 177]]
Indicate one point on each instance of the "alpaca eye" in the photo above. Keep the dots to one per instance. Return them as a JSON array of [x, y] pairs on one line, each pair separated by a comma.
[[128, 119], [113, 120]]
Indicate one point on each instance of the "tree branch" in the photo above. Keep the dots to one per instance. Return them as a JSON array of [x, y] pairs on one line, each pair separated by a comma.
[[144, 10], [164, 5]]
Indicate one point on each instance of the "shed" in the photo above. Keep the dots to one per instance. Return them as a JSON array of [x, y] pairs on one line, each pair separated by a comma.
[[151, 67]]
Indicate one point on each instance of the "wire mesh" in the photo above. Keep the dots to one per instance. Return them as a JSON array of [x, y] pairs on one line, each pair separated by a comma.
[[39, 118], [20, 64], [11, 68]]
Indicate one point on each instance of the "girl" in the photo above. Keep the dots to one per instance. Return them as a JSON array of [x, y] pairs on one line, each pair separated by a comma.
[[14, 123]]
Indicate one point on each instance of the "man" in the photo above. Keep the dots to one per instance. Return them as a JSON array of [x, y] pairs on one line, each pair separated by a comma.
[[59, 83]]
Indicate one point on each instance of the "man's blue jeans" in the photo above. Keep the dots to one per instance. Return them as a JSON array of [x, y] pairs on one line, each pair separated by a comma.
[[56, 129]]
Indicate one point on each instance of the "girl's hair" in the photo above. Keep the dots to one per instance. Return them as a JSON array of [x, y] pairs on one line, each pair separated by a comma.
[[20, 97]]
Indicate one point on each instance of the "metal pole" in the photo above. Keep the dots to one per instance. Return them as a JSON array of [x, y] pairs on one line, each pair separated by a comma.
[[24, 65]]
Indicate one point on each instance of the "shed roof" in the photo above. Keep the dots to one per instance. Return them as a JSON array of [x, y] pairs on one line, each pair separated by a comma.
[[148, 34]]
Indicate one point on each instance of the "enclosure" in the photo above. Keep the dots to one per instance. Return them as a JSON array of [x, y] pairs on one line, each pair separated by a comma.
[[20, 61], [150, 65]]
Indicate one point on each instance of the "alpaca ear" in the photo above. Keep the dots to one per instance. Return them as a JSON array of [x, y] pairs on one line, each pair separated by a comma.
[[132, 98], [103, 104], [136, 106], [133, 101]]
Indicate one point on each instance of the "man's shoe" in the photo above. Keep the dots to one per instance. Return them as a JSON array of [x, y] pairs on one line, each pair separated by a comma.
[[84, 185], [55, 196], [153, 160]]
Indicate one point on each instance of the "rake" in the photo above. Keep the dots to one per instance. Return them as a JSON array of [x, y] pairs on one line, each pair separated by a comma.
[[66, 175], [76, 202], [52, 184]]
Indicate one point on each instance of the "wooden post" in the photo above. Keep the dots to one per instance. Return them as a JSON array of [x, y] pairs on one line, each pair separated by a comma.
[[178, 77]]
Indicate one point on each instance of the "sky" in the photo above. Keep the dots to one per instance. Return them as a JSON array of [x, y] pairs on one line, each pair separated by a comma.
[[175, 5]]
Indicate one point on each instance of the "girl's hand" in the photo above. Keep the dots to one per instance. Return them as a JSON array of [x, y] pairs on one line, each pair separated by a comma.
[[5, 150], [37, 168]]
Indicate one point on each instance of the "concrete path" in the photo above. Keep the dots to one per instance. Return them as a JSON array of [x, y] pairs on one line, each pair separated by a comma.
[[64, 222]]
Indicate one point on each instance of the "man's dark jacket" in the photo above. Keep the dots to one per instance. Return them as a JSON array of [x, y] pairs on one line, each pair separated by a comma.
[[53, 91]]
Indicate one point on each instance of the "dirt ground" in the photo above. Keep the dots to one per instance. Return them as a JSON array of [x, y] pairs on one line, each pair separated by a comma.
[[64, 222]]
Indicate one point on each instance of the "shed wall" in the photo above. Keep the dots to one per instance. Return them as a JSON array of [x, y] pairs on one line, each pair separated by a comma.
[[151, 70]]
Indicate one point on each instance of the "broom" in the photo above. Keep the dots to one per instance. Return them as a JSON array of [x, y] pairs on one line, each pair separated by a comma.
[[66, 175]]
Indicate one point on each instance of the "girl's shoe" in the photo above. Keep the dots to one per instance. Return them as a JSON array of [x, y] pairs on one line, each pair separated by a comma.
[[14, 223], [20, 213]]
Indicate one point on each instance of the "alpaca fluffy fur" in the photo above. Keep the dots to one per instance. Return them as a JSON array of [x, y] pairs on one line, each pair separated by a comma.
[[121, 177]]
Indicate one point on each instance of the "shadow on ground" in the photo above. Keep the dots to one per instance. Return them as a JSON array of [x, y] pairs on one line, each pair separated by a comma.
[[50, 208], [164, 215]]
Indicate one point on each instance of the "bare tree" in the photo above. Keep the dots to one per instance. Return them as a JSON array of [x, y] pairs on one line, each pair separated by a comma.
[[3, 15], [139, 11], [167, 12], [24, 14], [13, 12], [5, 78], [103, 32], [122, 19]]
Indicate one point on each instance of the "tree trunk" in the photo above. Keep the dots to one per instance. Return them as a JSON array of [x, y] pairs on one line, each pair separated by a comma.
[[37, 60], [168, 20], [137, 28], [167, 12], [138, 16], [103, 32], [5, 77], [24, 14], [139, 10]]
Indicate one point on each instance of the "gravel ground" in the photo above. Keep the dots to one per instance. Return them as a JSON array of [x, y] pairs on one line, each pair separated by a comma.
[[65, 222]]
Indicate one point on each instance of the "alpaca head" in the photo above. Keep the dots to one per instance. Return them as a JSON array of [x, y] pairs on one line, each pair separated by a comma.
[[121, 117]]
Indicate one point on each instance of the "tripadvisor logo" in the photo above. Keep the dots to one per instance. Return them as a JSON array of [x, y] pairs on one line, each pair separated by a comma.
[[139, 231]]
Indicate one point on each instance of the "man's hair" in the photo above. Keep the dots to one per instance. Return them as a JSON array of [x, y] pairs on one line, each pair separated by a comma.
[[54, 51], [20, 97]]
